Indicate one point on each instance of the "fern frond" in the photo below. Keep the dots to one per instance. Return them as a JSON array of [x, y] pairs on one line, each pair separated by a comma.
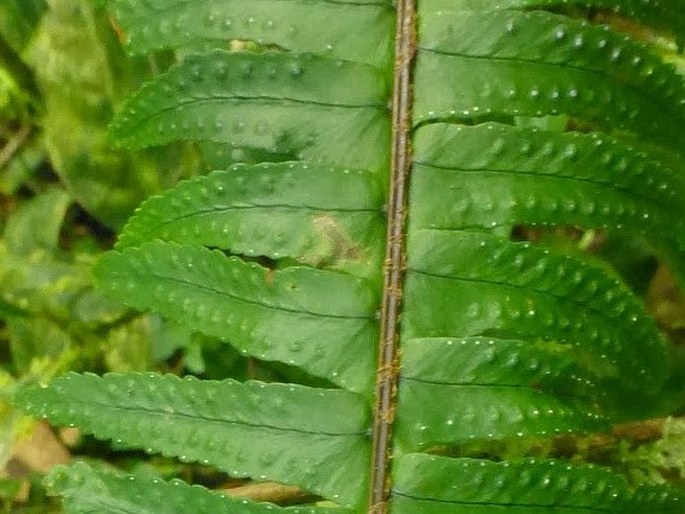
[[517, 288], [305, 106], [525, 113], [669, 16], [491, 389], [287, 433], [321, 321], [361, 32], [530, 487], [535, 64], [89, 491], [291, 210]]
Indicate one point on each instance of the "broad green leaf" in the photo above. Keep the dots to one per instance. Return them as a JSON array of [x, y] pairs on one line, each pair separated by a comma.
[[220, 156], [592, 158], [516, 288], [41, 282], [18, 21], [288, 433], [82, 75], [494, 176], [555, 40], [88, 491], [523, 88], [549, 76], [486, 413], [91, 307], [495, 361], [282, 210], [305, 106], [321, 321], [467, 486], [361, 32], [36, 225], [127, 347], [667, 15], [35, 338], [490, 389]]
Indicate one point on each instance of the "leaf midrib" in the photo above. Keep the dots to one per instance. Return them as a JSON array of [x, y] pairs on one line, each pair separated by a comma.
[[550, 506], [198, 417]]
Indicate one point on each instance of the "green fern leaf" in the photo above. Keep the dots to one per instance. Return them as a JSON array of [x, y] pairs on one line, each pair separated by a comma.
[[531, 487], [304, 106], [319, 320], [492, 389], [286, 433], [279, 211], [89, 491], [361, 31], [523, 289], [496, 176], [669, 16], [549, 75]]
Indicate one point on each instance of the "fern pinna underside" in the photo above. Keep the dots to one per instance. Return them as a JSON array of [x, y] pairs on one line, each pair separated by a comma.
[[533, 113]]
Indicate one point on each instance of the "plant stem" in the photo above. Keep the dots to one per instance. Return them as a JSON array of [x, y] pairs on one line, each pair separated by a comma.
[[388, 366], [270, 492]]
